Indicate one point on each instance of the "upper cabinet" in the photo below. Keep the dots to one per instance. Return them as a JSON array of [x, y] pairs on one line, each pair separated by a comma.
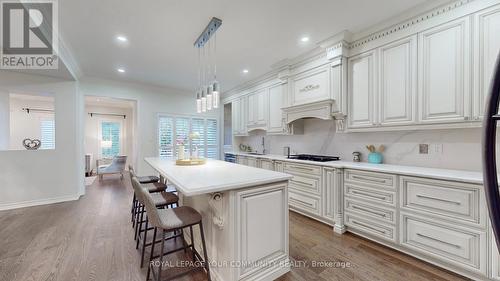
[[276, 101], [444, 68], [311, 86], [258, 110], [362, 90], [239, 116], [398, 82], [486, 50]]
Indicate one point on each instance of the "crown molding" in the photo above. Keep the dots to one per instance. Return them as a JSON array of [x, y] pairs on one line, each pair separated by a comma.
[[343, 44]]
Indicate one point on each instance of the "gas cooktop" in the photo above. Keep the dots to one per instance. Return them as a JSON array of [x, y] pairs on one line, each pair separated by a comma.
[[317, 158]]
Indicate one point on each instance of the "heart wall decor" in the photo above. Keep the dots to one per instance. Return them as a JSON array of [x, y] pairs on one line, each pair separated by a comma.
[[30, 144]]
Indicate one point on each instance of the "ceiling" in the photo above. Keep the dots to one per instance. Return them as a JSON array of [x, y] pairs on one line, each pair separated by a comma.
[[108, 102], [254, 34]]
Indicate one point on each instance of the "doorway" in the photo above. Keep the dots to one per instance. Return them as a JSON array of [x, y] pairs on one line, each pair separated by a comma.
[[109, 133]]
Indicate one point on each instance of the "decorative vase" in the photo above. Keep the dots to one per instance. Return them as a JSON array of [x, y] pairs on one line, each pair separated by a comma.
[[180, 152], [375, 158]]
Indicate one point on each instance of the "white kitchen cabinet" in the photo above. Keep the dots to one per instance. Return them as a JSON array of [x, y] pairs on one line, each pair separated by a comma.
[[258, 110], [239, 116], [252, 162], [444, 73], [398, 83], [251, 106], [266, 164], [311, 86], [328, 193], [362, 89], [486, 50], [452, 243], [242, 160], [495, 258], [276, 101]]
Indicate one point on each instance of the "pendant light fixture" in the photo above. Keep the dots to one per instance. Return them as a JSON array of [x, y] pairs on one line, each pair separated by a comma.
[[208, 84], [208, 92]]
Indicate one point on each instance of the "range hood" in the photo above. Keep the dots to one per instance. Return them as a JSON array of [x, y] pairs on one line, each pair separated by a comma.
[[325, 110], [321, 110]]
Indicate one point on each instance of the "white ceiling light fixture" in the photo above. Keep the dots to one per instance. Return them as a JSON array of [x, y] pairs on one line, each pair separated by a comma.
[[121, 70], [304, 39], [208, 90], [121, 38], [245, 71]]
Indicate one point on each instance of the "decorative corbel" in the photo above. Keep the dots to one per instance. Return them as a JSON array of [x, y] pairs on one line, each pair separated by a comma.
[[216, 204]]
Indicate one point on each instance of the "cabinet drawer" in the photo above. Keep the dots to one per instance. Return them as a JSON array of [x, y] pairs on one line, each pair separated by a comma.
[[309, 204], [371, 178], [367, 210], [293, 168], [463, 247], [444, 198], [305, 184], [370, 194], [370, 227]]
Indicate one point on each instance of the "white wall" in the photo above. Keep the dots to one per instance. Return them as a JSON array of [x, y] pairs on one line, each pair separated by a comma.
[[92, 127], [461, 147], [4, 120], [150, 102], [44, 176]]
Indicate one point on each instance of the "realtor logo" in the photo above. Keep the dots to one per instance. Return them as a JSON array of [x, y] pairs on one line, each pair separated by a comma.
[[29, 35]]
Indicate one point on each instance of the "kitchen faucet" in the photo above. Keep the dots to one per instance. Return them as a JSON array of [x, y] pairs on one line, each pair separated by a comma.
[[263, 145]]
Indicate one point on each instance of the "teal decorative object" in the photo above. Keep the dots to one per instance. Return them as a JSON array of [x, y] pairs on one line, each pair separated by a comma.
[[375, 158]]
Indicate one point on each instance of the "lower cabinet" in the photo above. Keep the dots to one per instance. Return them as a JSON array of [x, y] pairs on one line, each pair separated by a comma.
[[370, 204], [312, 191], [495, 259], [439, 221], [266, 164], [448, 242]]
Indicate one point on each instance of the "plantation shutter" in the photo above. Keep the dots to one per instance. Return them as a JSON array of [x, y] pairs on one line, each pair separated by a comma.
[[111, 132], [48, 134], [166, 136], [212, 137]]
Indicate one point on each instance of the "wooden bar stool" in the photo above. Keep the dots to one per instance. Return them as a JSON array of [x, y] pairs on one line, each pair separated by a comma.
[[174, 220], [161, 200]]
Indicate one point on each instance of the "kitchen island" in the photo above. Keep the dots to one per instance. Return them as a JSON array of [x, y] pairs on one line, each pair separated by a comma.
[[245, 216]]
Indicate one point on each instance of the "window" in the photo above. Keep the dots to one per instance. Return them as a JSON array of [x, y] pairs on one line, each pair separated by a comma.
[[175, 130], [110, 139], [47, 133]]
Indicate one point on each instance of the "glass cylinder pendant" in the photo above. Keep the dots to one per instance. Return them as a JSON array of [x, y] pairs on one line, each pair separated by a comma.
[[209, 98], [203, 101], [198, 101], [215, 94]]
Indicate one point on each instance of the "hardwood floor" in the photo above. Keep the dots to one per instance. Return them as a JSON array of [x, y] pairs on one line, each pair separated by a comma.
[[92, 239]]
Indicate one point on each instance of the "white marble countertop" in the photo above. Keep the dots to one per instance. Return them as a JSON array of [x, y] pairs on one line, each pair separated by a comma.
[[214, 176], [444, 174]]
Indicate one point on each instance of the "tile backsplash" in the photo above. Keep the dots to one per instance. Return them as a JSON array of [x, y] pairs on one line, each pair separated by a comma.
[[447, 149]]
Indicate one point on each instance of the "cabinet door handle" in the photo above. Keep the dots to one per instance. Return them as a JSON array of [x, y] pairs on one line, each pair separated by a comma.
[[368, 179], [439, 199], [369, 195], [369, 227], [369, 211], [439, 240]]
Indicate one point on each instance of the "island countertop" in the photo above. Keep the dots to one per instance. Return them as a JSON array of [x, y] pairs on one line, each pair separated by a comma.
[[214, 176]]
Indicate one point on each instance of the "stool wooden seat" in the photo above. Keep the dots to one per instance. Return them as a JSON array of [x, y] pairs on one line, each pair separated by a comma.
[[160, 200], [168, 221]]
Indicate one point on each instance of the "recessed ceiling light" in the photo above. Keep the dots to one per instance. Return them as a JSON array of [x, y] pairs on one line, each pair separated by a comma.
[[304, 39], [121, 70], [245, 70], [121, 38]]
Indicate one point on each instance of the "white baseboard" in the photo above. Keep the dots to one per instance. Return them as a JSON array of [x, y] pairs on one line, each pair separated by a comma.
[[38, 202]]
